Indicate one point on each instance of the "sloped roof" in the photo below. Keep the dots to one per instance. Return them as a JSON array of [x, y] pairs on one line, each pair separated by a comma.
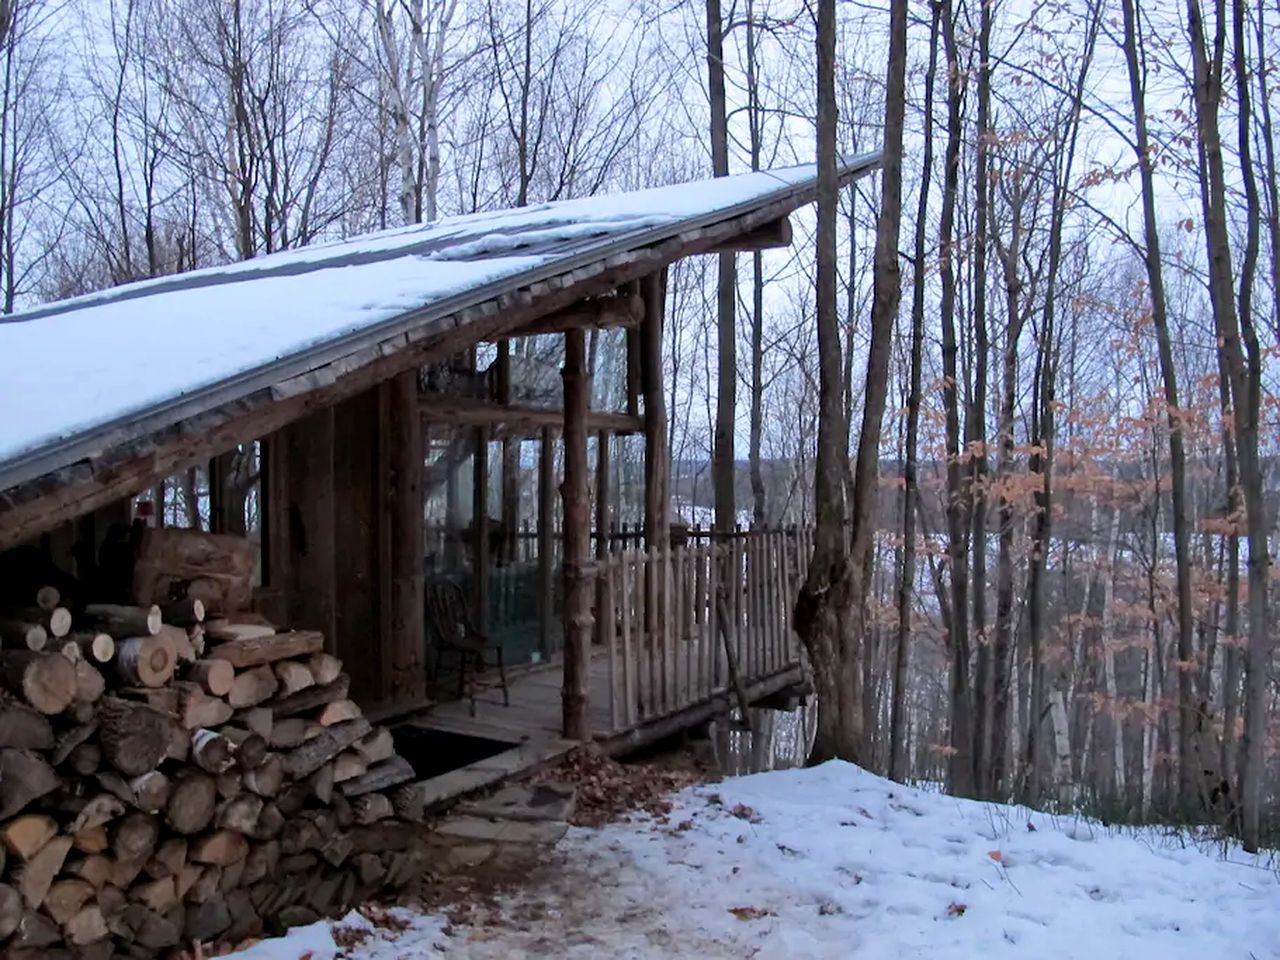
[[81, 375]]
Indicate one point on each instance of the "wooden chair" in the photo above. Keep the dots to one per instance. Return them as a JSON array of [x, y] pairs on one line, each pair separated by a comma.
[[453, 632]]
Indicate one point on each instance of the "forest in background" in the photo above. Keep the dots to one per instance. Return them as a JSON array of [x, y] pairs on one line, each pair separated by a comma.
[[1066, 548]]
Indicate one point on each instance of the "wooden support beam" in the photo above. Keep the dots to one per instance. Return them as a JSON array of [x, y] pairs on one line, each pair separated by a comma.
[[657, 515], [510, 462], [308, 454], [404, 670], [480, 528], [512, 420], [768, 236], [577, 541], [602, 528], [546, 539], [602, 313]]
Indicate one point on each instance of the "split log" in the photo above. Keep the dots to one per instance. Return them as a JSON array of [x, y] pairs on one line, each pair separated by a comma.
[[169, 859], [293, 676], [134, 838], [146, 661], [322, 784], [90, 684], [240, 814], [252, 687], [24, 776], [197, 709], [229, 782], [34, 930], [270, 822], [66, 897], [94, 869], [85, 759], [255, 651], [288, 732], [261, 862], [23, 634], [71, 650], [186, 612], [180, 641], [151, 791], [99, 811], [211, 751], [160, 895], [377, 746], [312, 698], [46, 680], [191, 802], [325, 667], [187, 878], [266, 778], [93, 840], [35, 876], [215, 676], [248, 748], [371, 807], [220, 848], [258, 719], [10, 910], [123, 621], [349, 765], [338, 712], [22, 727], [389, 773], [24, 836], [134, 738], [207, 920], [96, 646], [311, 756], [86, 927]]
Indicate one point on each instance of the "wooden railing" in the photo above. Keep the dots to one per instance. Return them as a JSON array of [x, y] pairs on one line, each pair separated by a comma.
[[679, 624]]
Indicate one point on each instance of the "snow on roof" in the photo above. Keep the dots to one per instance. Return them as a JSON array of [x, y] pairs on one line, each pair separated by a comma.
[[108, 358]]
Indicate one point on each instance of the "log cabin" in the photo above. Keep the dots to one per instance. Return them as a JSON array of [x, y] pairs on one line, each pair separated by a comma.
[[422, 405]]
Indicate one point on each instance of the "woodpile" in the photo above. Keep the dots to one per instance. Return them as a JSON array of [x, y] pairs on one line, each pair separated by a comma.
[[171, 776]]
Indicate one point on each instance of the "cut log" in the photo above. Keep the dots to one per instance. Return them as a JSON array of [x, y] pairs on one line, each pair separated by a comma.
[[85, 759], [134, 838], [160, 895], [123, 621], [186, 612], [215, 676], [146, 661], [288, 732], [261, 863], [325, 667], [389, 773], [90, 684], [71, 650], [86, 927], [94, 840], [191, 802], [338, 712], [10, 910], [196, 636], [36, 875], [151, 791], [312, 698], [252, 687], [94, 869], [187, 878], [270, 822], [371, 807], [322, 784], [134, 738], [211, 751], [172, 562], [248, 748], [68, 740], [207, 920], [95, 646], [197, 709], [293, 676], [48, 597], [23, 634], [101, 810], [266, 778], [24, 776], [377, 746], [34, 930], [66, 897], [255, 651], [240, 814], [180, 641], [58, 622], [349, 765], [22, 727], [219, 848], [229, 782], [47, 681], [258, 719], [169, 858], [24, 836], [311, 756]]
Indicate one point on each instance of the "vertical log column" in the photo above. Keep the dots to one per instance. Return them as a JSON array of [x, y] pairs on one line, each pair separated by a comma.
[[404, 673], [546, 541], [602, 531], [577, 541], [510, 463], [657, 518], [480, 529]]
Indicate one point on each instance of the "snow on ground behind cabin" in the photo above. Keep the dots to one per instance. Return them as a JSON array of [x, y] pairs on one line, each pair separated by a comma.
[[835, 862]]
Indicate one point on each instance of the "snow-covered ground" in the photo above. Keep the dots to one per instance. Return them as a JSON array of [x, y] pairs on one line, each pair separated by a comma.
[[835, 862]]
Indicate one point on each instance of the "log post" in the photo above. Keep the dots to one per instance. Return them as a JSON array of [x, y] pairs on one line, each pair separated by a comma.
[[657, 518], [480, 529], [405, 672], [510, 462], [577, 541], [602, 530], [546, 542]]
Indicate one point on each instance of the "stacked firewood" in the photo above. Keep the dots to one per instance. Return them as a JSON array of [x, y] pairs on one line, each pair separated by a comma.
[[170, 776]]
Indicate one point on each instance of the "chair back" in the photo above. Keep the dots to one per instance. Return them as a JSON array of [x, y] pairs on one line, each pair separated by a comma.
[[446, 611]]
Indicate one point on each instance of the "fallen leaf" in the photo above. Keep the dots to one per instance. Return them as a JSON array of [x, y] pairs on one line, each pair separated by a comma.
[[996, 855], [956, 909], [751, 913]]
